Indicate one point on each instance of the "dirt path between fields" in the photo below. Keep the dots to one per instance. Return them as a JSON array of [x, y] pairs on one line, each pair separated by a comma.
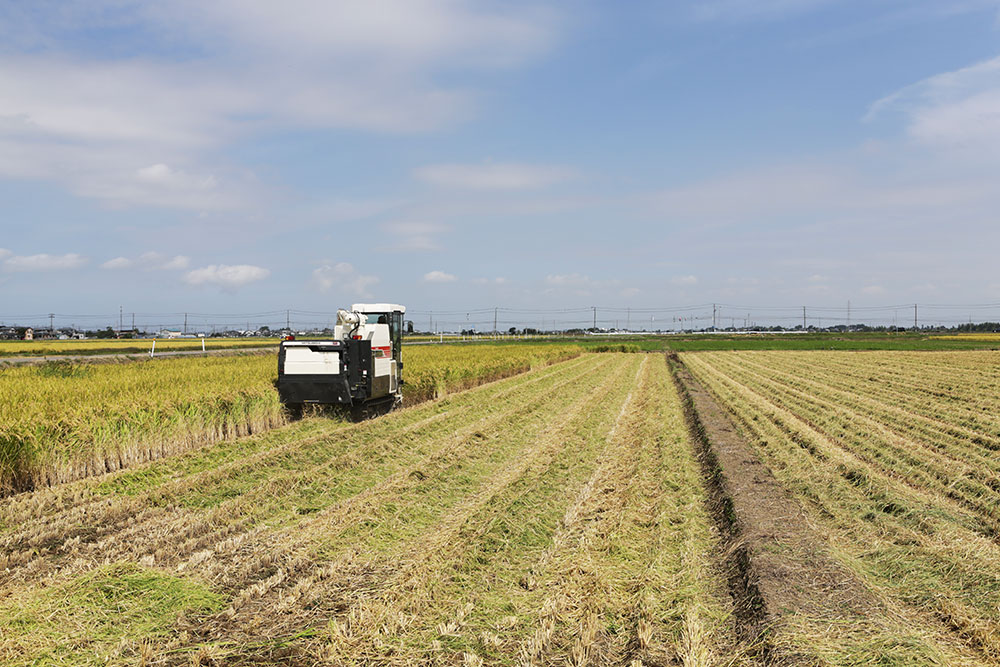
[[778, 567]]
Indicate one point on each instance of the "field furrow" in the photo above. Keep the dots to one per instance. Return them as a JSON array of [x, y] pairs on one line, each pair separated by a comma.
[[909, 515]]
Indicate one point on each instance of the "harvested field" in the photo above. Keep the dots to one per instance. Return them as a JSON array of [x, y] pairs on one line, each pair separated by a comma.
[[892, 456], [555, 517]]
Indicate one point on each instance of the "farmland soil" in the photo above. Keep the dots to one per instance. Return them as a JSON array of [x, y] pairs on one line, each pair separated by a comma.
[[778, 568]]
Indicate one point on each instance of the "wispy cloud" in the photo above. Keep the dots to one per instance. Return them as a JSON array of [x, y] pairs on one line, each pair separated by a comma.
[[143, 130], [150, 261], [493, 176], [439, 277], [43, 262], [568, 280], [226, 276], [957, 109], [344, 278]]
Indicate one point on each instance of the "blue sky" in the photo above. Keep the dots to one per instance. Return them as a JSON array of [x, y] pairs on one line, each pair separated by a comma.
[[232, 157]]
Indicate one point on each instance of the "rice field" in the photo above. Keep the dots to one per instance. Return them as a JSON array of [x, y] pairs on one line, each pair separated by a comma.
[[894, 458], [989, 337], [532, 505], [112, 346], [555, 517], [62, 421]]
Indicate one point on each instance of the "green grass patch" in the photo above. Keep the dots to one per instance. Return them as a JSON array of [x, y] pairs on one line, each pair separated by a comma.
[[83, 621]]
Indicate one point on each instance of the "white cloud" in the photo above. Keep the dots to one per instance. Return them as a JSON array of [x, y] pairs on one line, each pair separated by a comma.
[[873, 290], [954, 110], [4, 253], [343, 277], [226, 276], [486, 281], [44, 262], [439, 277], [140, 130], [175, 179], [684, 280], [489, 176], [118, 263], [176, 263], [150, 261]]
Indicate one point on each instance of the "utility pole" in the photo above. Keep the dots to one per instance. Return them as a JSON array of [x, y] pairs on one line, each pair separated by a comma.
[[495, 309], [120, 327], [133, 322], [914, 317], [52, 319], [594, 308], [848, 314], [713, 317], [186, 323], [628, 319], [803, 318]]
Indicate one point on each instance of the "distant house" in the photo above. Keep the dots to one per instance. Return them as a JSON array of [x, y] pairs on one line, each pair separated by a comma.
[[29, 334]]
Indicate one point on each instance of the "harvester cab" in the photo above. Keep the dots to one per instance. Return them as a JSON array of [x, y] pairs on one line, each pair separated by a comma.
[[361, 367]]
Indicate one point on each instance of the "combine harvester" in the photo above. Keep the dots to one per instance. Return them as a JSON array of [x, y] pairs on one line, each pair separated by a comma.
[[362, 368]]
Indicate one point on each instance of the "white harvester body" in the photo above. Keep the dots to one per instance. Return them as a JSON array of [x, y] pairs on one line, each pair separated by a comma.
[[361, 366]]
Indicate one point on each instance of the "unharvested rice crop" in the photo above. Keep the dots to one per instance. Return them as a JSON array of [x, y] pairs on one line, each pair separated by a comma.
[[894, 457], [556, 517], [61, 421], [993, 337], [42, 348], [433, 370]]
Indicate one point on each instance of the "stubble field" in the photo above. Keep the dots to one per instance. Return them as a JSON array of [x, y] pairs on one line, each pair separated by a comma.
[[553, 516], [753, 508], [894, 458]]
